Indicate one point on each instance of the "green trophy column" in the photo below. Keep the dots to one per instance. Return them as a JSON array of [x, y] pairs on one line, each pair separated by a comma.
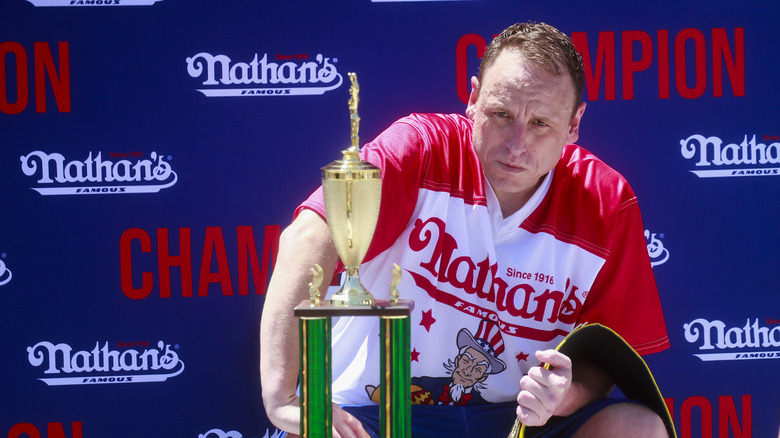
[[395, 412], [315, 364]]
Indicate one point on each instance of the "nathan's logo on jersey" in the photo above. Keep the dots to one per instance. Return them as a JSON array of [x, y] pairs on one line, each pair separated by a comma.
[[717, 341], [473, 282], [292, 75], [655, 248], [5, 273], [750, 157], [49, 3], [103, 365], [97, 175], [219, 433]]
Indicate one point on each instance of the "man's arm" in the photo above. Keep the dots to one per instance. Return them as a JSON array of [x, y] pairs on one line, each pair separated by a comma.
[[305, 242], [560, 390]]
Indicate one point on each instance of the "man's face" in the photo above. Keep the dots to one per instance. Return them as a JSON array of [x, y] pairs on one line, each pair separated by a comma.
[[522, 119], [470, 367]]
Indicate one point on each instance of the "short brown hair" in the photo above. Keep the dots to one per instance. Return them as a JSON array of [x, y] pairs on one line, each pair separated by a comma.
[[543, 45]]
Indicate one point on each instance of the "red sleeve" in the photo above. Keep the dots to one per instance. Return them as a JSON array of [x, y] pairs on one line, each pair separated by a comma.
[[624, 296]]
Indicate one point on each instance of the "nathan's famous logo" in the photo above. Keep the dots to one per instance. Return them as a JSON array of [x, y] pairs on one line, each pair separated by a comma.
[[475, 282], [49, 3], [655, 248], [97, 175], [219, 433], [103, 365], [294, 75], [714, 159], [717, 341], [5, 273]]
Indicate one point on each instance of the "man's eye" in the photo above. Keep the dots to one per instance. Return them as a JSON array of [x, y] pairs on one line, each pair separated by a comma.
[[501, 114], [539, 123]]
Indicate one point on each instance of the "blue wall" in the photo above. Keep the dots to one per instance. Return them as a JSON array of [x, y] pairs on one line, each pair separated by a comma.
[[141, 204]]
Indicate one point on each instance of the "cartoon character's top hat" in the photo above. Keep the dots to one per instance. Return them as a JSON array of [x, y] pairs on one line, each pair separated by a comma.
[[488, 340]]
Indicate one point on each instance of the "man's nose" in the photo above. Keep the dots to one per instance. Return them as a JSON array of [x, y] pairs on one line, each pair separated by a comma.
[[517, 140]]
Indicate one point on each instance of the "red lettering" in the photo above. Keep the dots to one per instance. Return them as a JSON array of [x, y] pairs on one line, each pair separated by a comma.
[[214, 248], [60, 85], [699, 66], [126, 264], [166, 261], [461, 62], [570, 308], [630, 66], [24, 429], [542, 300], [670, 407], [22, 91], [443, 249], [461, 272], [605, 62], [54, 430], [43, 68], [507, 302], [247, 251], [727, 416], [484, 269], [690, 62], [700, 408], [663, 64], [452, 273], [686, 415], [735, 62], [214, 245]]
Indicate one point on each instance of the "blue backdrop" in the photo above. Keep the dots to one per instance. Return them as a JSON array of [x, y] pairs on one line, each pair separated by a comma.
[[151, 150]]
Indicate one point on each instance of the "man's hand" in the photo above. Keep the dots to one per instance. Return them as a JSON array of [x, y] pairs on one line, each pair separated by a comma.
[[343, 425], [544, 391]]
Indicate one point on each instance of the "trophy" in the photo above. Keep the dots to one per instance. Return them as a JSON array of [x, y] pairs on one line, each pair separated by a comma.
[[352, 190]]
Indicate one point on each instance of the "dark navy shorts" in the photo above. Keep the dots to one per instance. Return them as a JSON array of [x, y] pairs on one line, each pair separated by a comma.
[[478, 421], [566, 427]]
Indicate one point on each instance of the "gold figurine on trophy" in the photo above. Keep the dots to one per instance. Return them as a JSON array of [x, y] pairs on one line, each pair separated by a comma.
[[352, 190]]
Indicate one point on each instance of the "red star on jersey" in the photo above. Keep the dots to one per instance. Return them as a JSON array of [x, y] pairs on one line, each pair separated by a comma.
[[415, 355], [427, 320], [522, 356]]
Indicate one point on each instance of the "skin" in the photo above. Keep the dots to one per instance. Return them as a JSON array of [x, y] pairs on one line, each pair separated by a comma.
[[470, 370], [522, 119], [279, 327]]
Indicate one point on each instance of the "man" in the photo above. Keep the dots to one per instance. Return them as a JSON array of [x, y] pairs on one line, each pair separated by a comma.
[[495, 216]]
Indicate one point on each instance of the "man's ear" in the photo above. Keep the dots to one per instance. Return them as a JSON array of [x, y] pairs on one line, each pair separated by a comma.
[[471, 109], [574, 126]]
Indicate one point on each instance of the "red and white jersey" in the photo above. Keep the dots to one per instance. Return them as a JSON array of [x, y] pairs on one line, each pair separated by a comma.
[[575, 253]]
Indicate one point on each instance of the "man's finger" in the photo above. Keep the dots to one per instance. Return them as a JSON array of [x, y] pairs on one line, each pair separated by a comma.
[[555, 359]]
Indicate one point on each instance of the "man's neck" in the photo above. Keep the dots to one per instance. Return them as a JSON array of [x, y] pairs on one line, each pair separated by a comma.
[[512, 202]]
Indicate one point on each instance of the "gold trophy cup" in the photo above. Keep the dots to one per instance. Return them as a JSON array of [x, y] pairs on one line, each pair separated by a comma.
[[352, 191]]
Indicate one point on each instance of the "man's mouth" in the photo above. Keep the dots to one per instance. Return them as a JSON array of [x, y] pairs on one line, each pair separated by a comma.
[[510, 167]]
